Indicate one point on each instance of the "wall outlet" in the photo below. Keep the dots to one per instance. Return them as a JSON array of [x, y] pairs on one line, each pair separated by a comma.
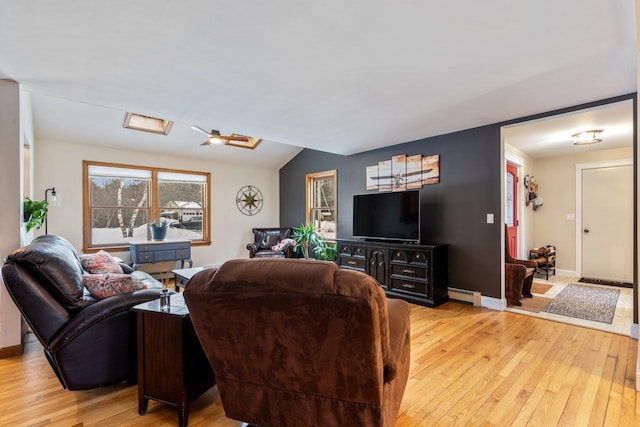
[[571, 217], [489, 218]]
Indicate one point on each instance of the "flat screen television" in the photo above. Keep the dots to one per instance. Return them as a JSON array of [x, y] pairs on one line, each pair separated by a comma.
[[387, 216]]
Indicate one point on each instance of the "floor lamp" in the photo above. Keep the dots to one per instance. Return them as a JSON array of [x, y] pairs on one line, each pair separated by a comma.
[[54, 202]]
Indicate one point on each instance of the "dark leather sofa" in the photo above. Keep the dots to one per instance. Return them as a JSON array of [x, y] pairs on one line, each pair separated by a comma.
[[88, 343], [264, 239]]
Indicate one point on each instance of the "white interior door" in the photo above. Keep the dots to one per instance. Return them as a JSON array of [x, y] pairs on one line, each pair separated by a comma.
[[607, 223]]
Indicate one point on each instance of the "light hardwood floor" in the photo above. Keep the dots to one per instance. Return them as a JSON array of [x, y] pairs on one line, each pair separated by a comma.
[[469, 367]]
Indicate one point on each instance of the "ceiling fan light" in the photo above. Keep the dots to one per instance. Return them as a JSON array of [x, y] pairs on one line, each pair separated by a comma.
[[215, 140], [587, 137]]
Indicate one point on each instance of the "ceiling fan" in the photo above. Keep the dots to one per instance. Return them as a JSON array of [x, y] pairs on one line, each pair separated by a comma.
[[216, 138]]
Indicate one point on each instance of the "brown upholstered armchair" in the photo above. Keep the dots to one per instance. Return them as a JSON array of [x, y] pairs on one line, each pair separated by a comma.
[[518, 275], [264, 239], [301, 343]]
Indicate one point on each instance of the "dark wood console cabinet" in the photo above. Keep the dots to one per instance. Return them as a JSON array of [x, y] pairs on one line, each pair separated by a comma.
[[415, 273]]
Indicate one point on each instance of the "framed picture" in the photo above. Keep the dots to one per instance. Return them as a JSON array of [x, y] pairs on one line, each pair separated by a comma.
[[372, 177], [384, 175], [414, 172], [399, 172], [431, 170]]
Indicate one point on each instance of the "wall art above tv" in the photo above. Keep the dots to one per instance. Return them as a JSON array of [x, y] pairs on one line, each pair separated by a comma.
[[403, 173]]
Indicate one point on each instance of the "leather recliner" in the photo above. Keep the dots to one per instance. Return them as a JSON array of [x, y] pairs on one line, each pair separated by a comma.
[[302, 343], [88, 343], [264, 239]]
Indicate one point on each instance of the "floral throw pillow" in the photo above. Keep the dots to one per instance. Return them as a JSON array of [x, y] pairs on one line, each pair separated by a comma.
[[103, 286], [282, 243], [100, 263]]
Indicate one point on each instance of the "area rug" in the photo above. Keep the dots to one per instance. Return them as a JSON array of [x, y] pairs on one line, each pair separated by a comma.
[[533, 305], [585, 302], [540, 288]]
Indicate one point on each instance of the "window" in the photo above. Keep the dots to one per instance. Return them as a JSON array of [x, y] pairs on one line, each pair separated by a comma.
[[120, 200], [321, 202]]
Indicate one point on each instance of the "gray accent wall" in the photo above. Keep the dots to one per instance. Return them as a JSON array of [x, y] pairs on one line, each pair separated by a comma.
[[453, 212]]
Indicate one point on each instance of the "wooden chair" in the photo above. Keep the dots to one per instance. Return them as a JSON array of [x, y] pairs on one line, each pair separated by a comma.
[[518, 276]]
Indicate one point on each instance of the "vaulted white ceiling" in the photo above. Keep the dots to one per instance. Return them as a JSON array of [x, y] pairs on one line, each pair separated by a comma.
[[337, 76]]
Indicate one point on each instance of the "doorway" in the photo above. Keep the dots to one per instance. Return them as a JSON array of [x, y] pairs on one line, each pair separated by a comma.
[[547, 147]]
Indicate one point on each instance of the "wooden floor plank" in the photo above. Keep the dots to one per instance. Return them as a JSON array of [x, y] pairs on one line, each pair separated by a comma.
[[469, 367]]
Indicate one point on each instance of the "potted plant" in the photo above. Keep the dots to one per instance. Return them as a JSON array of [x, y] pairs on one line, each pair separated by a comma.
[[159, 229], [326, 252], [306, 235], [35, 212]]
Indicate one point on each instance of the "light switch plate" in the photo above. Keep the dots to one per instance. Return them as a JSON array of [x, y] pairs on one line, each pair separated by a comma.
[[489, 218]]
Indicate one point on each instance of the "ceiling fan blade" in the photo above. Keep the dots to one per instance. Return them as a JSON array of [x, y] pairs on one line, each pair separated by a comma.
[[199, 129], [207, 142]]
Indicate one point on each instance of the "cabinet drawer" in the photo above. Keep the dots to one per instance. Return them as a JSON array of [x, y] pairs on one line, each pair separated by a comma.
[[165, 255], [353, 250], [408, 270], [351, 262], [410, 257], [183, 254], [144, 257], [413, 286]]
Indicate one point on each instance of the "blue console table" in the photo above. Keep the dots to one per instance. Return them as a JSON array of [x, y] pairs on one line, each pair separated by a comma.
[[160, 251]]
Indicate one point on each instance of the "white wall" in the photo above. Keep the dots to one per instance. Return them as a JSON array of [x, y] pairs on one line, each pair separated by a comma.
[[10, 201], [59, 164], [556, 178]]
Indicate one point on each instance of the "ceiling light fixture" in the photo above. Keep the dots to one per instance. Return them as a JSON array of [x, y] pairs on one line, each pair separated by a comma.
[[587, 137]]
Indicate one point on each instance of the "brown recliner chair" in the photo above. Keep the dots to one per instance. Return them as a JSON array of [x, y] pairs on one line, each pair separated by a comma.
[[518, 275], [264, 239], [301, 343]]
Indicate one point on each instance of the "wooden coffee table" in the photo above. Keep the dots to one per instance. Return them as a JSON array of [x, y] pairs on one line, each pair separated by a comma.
[[172, 367]]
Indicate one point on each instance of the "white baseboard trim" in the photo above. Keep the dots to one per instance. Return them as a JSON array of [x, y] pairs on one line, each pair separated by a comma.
[[638, 372], [634, 331], [567, 273], [464, 295], [493, 303]]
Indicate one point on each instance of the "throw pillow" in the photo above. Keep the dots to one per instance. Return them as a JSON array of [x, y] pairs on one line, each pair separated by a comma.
[[103, 286], [282, 243], [100, 263]]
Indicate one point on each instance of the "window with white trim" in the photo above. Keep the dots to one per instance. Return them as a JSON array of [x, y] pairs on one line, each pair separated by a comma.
[[121, 200]]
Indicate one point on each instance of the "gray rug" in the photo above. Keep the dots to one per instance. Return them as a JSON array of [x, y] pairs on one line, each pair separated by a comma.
[[585, 302]]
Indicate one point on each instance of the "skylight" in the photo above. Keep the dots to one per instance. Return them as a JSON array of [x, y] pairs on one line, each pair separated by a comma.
[[147, 124]]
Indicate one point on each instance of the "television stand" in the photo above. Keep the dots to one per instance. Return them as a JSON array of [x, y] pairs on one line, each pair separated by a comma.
[[413, 272]]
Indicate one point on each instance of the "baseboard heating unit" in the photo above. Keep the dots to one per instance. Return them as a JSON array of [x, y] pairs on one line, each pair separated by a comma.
[[463, 295]]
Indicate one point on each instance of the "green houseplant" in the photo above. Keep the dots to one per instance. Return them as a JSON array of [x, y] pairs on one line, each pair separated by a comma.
[[306, 235], [326, 252], [35, 212]]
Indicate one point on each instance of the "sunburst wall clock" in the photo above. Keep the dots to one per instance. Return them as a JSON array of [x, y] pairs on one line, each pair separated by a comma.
[[249, 200]]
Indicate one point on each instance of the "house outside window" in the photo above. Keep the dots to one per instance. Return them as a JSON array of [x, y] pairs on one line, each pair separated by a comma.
[[322, 190], [121, 200]]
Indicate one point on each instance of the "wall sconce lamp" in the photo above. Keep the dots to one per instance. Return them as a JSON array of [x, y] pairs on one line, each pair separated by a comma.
[[587, 137], [55, 201]]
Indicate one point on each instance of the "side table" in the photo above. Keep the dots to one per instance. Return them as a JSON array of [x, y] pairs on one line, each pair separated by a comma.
[[545, 259], [159, 251], [172, 367]]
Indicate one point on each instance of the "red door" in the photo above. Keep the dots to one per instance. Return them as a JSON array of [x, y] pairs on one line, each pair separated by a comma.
[[511, 214]]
